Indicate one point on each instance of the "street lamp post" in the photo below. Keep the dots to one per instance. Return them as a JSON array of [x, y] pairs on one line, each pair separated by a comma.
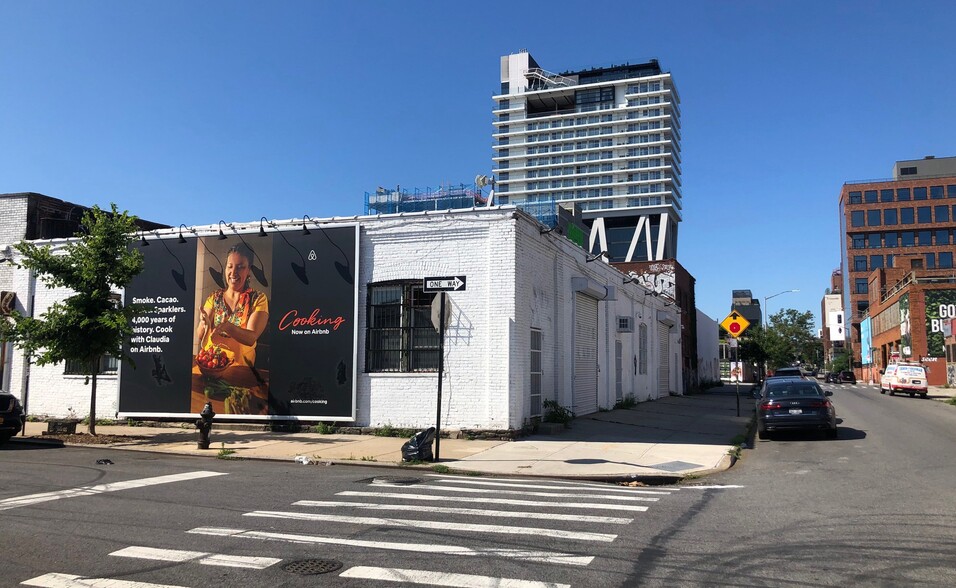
[[766, 314], [766, 298]]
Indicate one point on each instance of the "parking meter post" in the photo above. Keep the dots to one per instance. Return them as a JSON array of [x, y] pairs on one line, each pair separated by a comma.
[[441, 369]]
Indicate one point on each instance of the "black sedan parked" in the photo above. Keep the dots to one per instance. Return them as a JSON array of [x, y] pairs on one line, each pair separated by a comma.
[[794, 404], [11, 416]]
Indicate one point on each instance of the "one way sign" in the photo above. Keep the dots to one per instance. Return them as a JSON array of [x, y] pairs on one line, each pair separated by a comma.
[[444, 284]]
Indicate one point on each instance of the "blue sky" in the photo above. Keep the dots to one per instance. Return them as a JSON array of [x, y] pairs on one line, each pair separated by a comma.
[[192, 112]]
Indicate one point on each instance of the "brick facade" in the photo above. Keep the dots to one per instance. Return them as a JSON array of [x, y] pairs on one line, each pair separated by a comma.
[[519, 279]]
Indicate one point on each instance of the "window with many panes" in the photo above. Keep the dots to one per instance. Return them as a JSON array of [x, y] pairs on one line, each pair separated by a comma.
[[400, 336], [108, 365], [536, 372]]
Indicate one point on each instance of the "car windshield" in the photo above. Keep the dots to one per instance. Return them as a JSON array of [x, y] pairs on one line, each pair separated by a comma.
[[793, 389]]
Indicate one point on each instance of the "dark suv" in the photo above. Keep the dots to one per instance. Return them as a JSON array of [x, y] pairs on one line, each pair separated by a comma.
[[847, 378], [11, 416]]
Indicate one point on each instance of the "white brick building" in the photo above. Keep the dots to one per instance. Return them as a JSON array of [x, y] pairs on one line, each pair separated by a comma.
[[537, 321]]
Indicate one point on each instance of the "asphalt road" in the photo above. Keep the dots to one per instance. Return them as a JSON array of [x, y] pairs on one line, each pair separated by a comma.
[[874, 507]]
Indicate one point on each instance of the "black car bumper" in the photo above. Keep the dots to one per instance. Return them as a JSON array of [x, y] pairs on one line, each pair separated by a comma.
[[796, 422]]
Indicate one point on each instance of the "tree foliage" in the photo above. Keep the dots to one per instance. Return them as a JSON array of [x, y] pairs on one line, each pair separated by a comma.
[[788, 338], [92, 321]]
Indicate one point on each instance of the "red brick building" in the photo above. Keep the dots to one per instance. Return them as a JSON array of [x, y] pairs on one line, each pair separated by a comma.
[[905, 223]]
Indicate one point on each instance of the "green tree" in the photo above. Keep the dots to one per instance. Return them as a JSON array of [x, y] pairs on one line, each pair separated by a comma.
[[791, 338], [841, 362], [92, 322]]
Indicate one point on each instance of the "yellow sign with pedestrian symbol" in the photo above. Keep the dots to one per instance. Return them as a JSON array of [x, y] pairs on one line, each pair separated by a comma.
[[735, 324]]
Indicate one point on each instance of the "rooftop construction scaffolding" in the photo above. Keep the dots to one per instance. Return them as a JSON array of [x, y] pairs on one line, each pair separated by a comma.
[[390, 201]]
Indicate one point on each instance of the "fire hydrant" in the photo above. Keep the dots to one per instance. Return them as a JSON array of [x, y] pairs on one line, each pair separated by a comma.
[[204, 424]]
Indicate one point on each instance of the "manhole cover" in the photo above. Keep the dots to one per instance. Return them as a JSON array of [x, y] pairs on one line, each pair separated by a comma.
[[309, 567], [395, 480]]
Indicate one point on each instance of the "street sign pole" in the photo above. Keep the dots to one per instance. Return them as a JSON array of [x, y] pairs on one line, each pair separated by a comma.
[[739, 374], [441, 369], [439, 285]]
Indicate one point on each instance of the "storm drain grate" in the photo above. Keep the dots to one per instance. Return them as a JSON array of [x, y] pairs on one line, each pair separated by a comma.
[[309, 567]]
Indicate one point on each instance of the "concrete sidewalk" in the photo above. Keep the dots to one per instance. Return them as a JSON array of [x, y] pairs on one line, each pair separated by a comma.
[[669, 438]]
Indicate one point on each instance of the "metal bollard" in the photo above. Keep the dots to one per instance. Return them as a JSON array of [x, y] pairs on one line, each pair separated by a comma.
[[204, 424]]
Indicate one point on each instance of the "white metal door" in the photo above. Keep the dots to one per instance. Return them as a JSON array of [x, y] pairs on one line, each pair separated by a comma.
[[663, 367], [585, 354]]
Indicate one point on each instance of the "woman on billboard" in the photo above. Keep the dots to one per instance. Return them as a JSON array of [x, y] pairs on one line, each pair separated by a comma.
[[233, 318]]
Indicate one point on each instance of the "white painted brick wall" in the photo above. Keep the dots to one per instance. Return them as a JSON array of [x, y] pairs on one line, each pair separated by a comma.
[[517, 279]]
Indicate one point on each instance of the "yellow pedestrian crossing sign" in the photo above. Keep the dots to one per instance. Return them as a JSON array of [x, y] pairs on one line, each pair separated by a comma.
[[735, 324]]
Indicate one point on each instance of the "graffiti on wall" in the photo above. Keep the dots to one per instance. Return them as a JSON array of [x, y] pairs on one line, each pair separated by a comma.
[[659, 277]]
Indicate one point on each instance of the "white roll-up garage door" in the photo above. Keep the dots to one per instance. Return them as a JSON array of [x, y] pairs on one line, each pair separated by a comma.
[[585, 354], [663, 366]]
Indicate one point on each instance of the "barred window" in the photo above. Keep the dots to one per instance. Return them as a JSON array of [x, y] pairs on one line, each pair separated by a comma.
[[400, 335], [108, 365]]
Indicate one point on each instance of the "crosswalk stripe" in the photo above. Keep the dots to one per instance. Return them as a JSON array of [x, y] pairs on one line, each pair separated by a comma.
[[478, 512], [19, 501], [545, 487], [556, 483], [408, 523], [432, 548], [209, 559], [509, 501], [55, 580], [518, 492], [442, 578]]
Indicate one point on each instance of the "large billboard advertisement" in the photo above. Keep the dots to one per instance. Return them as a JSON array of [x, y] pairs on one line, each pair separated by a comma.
[[261, 325], [940, 308]]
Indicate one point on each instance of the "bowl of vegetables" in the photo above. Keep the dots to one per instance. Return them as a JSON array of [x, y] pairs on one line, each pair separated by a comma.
[[213, 361]]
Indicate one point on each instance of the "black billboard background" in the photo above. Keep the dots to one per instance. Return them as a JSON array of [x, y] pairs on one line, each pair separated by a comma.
[[315, 277], [311, 330], [160, 382]]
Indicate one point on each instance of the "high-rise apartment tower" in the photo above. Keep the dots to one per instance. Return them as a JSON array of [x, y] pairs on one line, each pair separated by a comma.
[[606, 138]]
